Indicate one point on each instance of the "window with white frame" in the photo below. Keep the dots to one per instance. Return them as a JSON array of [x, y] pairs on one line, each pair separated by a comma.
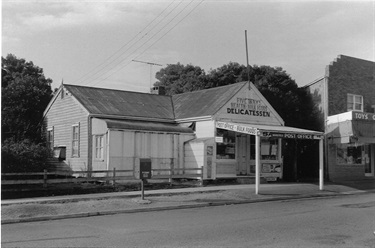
[[354, 102], [99, 147], [75, 140], [50, 138]]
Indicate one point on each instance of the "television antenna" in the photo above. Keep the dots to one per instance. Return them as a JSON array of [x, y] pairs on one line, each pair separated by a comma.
[[148, 63]]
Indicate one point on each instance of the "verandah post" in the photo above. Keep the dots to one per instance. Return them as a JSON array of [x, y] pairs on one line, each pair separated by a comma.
[[257, 163], [321, 165]]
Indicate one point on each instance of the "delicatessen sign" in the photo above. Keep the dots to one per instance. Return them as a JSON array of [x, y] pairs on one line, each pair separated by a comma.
[[248, 106]]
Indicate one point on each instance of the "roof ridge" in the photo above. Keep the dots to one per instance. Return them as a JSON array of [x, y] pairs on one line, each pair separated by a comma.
[[209, 89], [108, 89]]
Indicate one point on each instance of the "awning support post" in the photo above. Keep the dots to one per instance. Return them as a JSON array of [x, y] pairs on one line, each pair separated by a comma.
[[257, 163], [321, 165]]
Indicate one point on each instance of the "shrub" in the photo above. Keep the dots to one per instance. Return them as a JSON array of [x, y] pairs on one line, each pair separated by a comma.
[[23, 156]]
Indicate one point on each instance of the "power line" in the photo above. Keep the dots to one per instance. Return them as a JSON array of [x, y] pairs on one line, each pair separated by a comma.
[[82, 78], [157, 39], [149, 63], [159, 30]]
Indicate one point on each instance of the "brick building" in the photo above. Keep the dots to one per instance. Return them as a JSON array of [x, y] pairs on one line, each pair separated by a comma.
[[345, 96]]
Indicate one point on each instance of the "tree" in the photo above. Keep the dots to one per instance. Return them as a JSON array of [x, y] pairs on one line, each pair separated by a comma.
[[231, 73], [25, 93], [282, 92], [178, 78]]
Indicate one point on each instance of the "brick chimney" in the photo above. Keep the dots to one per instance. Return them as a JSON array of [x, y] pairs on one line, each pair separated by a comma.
[[158, 90]]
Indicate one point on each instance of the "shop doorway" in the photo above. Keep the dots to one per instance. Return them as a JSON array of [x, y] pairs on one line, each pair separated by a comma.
[[369, 160], [243, 155]]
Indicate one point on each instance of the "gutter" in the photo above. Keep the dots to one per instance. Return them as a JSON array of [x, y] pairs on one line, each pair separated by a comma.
[[132, 118], [201, 118]]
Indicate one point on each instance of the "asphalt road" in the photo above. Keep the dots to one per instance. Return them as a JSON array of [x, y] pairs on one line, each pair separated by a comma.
[[345, 221]]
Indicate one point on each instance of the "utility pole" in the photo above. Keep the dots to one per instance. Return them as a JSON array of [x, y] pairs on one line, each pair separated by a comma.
[[149, 63], [247, 59]]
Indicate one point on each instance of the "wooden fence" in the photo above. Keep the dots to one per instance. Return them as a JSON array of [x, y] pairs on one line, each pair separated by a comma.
[[88, 176]]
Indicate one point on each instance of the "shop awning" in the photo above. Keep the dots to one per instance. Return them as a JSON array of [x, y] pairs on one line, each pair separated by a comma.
[[277, 132], [351, 127], [271, 131], [147, 126]]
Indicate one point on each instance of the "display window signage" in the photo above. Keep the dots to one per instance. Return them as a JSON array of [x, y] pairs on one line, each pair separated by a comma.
[[237, 128], [291, 135], [363, 116], [248, 106]]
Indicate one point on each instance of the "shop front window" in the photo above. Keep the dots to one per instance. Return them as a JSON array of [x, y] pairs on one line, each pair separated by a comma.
[[225, 144], [269, 149], [351, 154]]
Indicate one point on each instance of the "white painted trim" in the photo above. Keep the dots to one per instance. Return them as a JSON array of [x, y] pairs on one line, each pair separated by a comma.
[[121, 117], [321, 164], [52, 101], [257, 164], [201, 118]]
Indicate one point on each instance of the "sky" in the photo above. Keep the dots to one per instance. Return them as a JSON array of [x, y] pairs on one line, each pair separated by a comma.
[[95, 43]]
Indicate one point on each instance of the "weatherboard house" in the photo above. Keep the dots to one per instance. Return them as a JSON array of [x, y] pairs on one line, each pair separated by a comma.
[[229, 131]]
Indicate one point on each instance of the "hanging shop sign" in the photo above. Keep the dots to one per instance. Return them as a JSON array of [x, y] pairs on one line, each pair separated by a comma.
[[291, 135], [363, 116], [237, 128]]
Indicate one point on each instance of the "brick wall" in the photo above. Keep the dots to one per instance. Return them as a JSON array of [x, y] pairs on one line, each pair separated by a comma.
[[342, 172], [350, 75]]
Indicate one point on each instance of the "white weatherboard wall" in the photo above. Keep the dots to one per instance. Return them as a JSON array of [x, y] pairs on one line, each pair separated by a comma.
[[127, 147], [194, 154], [249, 106], [205, 129], [64, 112], [99, 127]]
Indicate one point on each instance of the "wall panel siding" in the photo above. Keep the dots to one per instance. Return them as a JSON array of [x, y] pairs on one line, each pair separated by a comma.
[[194, 156], [205, 129], [63, 114], [128, 147]]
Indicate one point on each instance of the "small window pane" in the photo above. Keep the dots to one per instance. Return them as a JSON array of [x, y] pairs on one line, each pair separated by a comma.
[[99, 147], [354, 102], [75, 141]]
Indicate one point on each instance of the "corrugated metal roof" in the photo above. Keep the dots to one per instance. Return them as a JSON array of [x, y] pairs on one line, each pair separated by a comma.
[[143, 105], [123, 103], [203, 102]]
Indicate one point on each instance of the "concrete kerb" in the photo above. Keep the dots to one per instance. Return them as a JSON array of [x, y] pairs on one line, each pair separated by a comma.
[[133, 194], [182, 206], [323, 194]]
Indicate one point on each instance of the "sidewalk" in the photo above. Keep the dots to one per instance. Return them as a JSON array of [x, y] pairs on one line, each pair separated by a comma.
[[75, 206]]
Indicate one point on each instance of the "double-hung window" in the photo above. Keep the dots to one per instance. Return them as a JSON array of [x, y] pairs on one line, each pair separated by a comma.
[[50, 138], [99, 147], [75, 140], [354, 102]]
